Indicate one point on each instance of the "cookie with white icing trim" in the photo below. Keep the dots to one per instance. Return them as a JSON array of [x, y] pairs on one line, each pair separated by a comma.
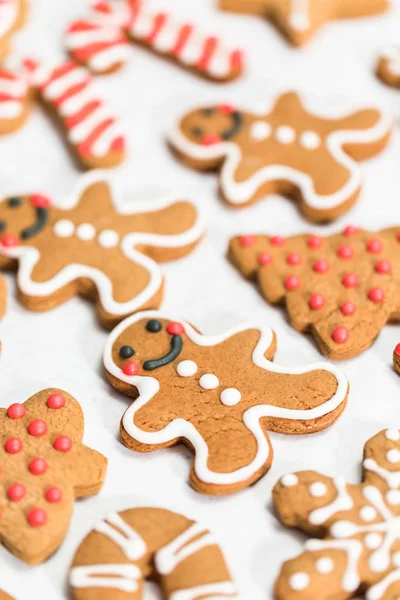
[[342, 288], [44, 468], [127, 548], [300, 19], [388, 67], [290, 150], [5, 596], [96, 247], [12, 17], [357, 550], [220, 395], [15, 101]]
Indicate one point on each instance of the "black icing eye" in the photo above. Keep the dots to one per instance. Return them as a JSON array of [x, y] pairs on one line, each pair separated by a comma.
[[126, 351], [208, 112], [154, 326], [197, 132], [14, 202], [2, 226]]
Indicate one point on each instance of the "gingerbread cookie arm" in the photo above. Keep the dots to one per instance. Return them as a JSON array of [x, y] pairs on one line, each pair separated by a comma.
[[15, 101], [388, 66]]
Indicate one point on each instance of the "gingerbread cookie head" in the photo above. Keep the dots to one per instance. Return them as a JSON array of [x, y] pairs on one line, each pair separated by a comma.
[[388, 67], [96, 247], [210, 393], [290, 150], [357, 525], [45, 467]]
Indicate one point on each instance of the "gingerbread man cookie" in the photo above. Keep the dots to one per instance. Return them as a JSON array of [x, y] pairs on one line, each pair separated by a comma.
[[287, 150], [357, 526], [12, 16], [101, 41], [127, 548], [342, 288], [5, 596], [217, 394], [44, 467], [300, 19], [96, 247], [388, 68]]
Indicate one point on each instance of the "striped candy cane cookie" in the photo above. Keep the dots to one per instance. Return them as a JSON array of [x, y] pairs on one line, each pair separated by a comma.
[[69, 92], [14, 101]]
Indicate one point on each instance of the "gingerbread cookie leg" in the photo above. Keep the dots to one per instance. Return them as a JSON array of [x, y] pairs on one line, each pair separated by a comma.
[[15, 100]]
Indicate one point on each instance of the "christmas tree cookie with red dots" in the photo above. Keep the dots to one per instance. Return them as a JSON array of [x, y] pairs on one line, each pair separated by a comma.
[[44, 468], [388, 67], [12, 17], [342, 288], [305, 154]]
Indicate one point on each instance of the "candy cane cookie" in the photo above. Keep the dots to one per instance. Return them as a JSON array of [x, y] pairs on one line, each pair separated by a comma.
[[124, 549], [388, 67], [15, 101], [12, 16], [100, 42]]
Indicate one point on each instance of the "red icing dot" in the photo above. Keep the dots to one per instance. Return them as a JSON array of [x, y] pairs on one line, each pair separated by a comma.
[[9, 240], [16, 492], [316, 301], [40, 201], [38, 466], [348, 308], [13, 446], [321, 266], [383, 267], [374, 246], [376, 295], [278, 240], [314, 241], [210, 139], [350, 280], [350, 230], [294, 258], [397, 350], [292, 282], [56, 401], [247, 240], [16, 411], [175, 328], [264, 258], [226, 109], [340, 335], [37, 427], [131, 368], [63, 443], [53, 495], [37, 517], [398, 236], [345, 252]]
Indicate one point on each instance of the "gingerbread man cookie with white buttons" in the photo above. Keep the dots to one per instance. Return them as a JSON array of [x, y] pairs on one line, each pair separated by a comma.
[[289, 150], [355, 550], [96, 247], [388, 67], [12, 17], [220, 395], [300, 19]]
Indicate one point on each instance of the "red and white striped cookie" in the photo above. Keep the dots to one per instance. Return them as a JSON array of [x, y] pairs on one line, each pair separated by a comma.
[[14, 101]]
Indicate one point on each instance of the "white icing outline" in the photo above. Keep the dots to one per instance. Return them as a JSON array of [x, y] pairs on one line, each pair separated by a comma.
[[221, 590], [29, 256], [173, 554], [179, 428], [353, 549], [342, 501], [124, 577], [16, 89], [9, 11], [241, 192], [123, 535]]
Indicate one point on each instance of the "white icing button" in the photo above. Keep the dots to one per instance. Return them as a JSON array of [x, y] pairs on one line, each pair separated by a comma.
[[393, 456], [373, 540], [367, 513], [186, 368], [318, 489], [299, 581], [394, 66], [310, 140], [285, 134], [396, 559], [260, 130], [85, 232], [393, 497], [64, 228], [289, 480], [324, 565], [230, 397], [299, 21], [108, 238], [209, 382], [392, 434]]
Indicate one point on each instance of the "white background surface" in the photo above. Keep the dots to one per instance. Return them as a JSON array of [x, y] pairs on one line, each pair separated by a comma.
[[63, 348]]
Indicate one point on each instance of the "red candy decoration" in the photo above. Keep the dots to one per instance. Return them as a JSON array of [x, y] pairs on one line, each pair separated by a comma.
[[16, 411], [175, 328], [340, 335], [210, 139], [63, 443], [314, 241], [278, 240], [53, 495], [292, 282], [294, 258], [374, 246], [56, 401], [264, 259], [37, 428], [345, 252], [350, 230], [350, 280], [40, 201], [38, 466], [321, 266], [383, 267], [131, 368], [37, 517], [226, 109], [13, 445], [376, 295], [9, 240], [316, 301], [16, 492], [247, 240], [348, 308], [397, 350]]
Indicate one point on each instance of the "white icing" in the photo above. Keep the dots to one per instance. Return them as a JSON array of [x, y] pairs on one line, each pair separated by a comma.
[[285, 134], [289, 480], [101, 34], [324, 565], [85, 231], [148, 387], [368, 513], [109, 57], [260, 130], [108, 238], [209, 382], [182, 547], [353, 549], [392, 435], [396, 559], [373, 540], [342, 501], [122, 577], [318, 489], [377, 592], [10, 109], [11, 85], [64, 228], [393, 497], [299, 18], [392, 478], [392, 54], [310, 140], [230, 397], [60, 85], [29, 256], [299, 581], [393, 456], [224, 589], [9, 10], [123, 535], [186, 368]]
